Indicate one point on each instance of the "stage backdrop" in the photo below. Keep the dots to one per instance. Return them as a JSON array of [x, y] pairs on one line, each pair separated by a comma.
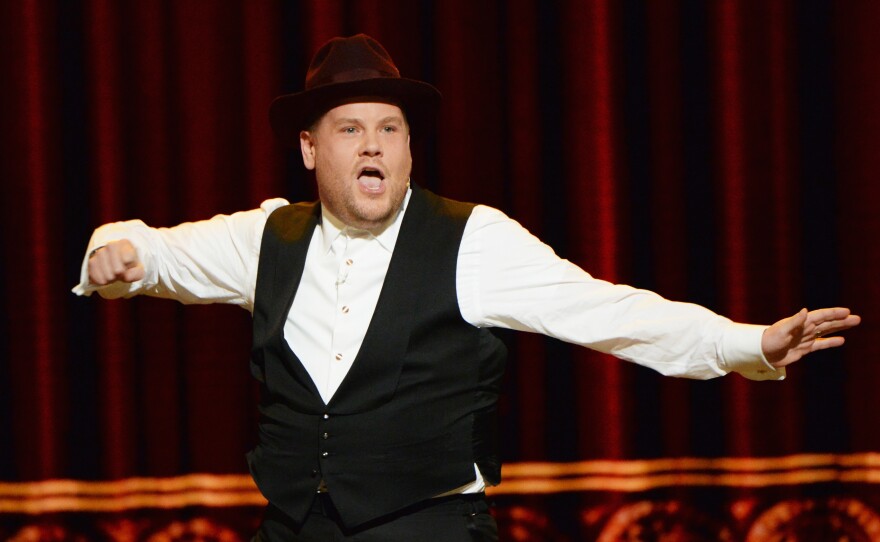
[[724, 153]]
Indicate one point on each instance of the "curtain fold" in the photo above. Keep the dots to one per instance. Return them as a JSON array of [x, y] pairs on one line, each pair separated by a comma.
[[855, 218], [34, 307]]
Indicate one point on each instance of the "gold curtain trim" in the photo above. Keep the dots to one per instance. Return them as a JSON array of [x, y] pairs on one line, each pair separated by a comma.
[[225, 490]]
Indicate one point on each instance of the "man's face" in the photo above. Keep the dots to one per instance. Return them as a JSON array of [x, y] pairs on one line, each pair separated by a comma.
[[361, 157]]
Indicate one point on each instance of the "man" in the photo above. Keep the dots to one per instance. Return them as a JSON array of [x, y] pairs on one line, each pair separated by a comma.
[[371, 313]]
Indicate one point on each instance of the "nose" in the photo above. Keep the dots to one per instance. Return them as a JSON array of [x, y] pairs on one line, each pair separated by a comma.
[[371, 146]]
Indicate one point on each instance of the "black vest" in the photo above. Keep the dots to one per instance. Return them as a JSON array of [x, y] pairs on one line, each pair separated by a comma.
[[417, 408]]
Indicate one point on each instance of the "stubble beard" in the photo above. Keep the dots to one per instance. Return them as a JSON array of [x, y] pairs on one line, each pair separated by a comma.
[[366, 213]]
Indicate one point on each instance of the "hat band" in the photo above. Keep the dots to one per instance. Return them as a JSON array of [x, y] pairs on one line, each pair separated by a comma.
[[355, 75]]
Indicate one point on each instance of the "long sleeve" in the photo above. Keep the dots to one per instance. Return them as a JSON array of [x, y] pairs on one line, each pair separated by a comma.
[[508, 278], [209, 261]]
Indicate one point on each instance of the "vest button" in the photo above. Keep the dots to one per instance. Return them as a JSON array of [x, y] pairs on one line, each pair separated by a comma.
[[325, 436], [314, 473], [326, 416], [325, 454]]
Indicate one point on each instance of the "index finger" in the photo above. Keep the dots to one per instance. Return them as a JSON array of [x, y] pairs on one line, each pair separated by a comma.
[[835, 322], [830, 314]]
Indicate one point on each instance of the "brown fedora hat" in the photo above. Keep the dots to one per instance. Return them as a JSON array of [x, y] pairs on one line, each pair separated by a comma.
[[345, 70]]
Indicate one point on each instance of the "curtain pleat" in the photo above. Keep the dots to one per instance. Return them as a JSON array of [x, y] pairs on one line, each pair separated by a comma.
[[856, 218], [590, 130], [34, 307]]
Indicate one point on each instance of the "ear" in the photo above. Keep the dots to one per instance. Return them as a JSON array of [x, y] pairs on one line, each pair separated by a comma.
[[307, 146]]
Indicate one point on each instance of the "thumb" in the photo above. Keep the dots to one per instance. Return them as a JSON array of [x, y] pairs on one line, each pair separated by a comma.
[[128, 256], [781, 336], [796, 321], [133, 272]]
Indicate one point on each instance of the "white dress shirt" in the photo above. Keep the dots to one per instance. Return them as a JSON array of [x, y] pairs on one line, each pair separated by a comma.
[[505, 277]]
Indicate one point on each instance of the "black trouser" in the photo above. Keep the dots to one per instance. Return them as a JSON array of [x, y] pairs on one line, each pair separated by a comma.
[[458, 518]]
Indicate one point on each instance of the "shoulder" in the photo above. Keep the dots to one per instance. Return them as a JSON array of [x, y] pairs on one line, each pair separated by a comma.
[[477, 219], [446, 207], [279, 208], [289, 221], [489, 219]]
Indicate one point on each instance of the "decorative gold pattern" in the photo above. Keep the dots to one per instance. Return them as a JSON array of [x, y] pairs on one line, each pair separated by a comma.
[[609, 501], [214, 490]]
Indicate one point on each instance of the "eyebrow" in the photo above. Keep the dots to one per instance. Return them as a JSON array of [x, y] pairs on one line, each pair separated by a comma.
[[355, 120]]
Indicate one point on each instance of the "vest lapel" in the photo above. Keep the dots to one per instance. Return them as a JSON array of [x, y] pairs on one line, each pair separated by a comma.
[[294, 231], [373, 377]]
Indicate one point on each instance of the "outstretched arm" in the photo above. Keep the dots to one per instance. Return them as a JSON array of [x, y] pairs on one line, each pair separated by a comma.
[[790, 339], [208, 261]]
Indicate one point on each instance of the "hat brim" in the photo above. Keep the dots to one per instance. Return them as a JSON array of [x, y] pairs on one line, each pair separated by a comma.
[[291, 113]]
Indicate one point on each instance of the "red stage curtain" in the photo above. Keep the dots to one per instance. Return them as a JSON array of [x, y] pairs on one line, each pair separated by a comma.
[[723, 153]]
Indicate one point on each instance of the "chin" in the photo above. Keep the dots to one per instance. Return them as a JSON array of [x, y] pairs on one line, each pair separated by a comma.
[[370, 218]]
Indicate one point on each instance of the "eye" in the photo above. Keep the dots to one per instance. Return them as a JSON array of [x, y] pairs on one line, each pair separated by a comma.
[[349, 130], [389, 129]]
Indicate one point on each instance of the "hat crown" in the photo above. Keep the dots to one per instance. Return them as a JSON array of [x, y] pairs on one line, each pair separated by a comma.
[[346, 70], [355, 58]]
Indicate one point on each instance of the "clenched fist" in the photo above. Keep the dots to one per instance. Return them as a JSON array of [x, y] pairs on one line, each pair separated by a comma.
[[115, 261]]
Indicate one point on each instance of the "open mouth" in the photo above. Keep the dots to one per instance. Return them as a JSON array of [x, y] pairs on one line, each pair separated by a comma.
[[370, 178]]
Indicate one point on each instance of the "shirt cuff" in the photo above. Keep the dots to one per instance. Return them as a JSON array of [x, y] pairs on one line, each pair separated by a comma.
[[742, 353]]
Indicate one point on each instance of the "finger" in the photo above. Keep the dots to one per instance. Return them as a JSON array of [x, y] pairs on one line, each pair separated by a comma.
[[104, 265], [838, 326], [133, 273], [115, 257], [128, 255], [852, 321], [96, 272], [825, 343], [831, 314]]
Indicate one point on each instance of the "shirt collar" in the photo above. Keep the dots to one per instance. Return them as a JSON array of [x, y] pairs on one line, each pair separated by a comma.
[[332, 227]]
